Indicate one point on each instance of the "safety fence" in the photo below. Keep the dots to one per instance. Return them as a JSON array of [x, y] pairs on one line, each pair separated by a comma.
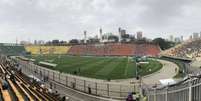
[[91, 86], [188, 91]]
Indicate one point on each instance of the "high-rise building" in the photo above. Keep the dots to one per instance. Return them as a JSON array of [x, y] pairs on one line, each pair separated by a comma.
[[16, 41], [171, 38], [119, 34], [123, 32], [177, 39], [139, 35], [195, 35], [190, 37], [182, 38], [25, 43], [200, 34]]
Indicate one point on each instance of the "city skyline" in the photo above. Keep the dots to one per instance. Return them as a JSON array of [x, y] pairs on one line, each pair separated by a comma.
[[67, 19]]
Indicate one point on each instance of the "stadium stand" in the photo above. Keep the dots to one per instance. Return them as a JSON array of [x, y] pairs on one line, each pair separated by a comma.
[[33, 49], [12, 49], [115, 49], [15, 86], [189, 88], [108, 49], [5, 94], [190, 49], [18, 94]]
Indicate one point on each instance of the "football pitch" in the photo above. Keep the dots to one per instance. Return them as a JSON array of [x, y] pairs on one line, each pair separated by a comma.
[[99, 67]]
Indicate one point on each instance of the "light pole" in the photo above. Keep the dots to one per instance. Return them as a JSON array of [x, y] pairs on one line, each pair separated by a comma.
[[138, 77], [136, 71]]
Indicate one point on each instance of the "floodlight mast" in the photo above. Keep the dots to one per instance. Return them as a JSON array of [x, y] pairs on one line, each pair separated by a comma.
[[101, 35], [85, 36], [136, 71]]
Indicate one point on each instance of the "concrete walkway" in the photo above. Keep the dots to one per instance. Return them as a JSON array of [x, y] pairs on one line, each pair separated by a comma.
[[166, 72]]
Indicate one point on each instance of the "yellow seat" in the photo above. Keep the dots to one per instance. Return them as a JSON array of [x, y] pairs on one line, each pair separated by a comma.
[[33, 49]]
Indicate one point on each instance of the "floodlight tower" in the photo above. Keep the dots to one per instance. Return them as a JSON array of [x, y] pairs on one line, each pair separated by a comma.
[[16, 41], [85, 36], [119, 34], [101, 38]]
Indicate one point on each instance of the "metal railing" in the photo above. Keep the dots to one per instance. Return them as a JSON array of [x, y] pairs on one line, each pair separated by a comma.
[[188, 91]]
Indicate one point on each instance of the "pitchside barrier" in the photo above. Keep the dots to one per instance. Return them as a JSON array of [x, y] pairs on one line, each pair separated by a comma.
[[91, 86], [189, 91]]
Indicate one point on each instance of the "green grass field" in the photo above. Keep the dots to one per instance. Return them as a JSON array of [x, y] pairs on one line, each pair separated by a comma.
[[99, 67]]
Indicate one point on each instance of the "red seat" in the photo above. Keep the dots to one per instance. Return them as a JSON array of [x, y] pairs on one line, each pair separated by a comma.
[[115, 49]]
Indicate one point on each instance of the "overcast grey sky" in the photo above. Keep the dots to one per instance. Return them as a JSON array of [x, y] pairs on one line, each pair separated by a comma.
[[66, 19]]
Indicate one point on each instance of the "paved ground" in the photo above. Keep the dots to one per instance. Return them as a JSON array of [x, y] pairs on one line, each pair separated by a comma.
[[76, 95], [168, 71], [195, 67]]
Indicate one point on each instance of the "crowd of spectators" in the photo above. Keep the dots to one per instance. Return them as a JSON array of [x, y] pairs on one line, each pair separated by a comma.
[[190, 49]]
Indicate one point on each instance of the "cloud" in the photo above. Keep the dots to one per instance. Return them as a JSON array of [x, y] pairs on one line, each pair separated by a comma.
[[66, 19], [157, 12]]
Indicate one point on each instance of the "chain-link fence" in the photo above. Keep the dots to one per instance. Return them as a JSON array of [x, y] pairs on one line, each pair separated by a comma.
[[87, 85], [189, 91]]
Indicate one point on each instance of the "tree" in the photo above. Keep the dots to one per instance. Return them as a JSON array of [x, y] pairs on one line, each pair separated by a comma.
[[113, 37], [93, 40], [74, 41], [163, 43], [55, 42]]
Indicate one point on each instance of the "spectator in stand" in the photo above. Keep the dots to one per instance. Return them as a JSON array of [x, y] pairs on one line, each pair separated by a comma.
[[89, 89], [190, 49], [63, 98], [50, 90], [137, 97], [130, 97], [134, 96]]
